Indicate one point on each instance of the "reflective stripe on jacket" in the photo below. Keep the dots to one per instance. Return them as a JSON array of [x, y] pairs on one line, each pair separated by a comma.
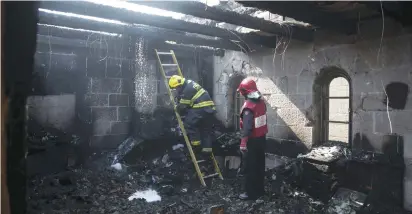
[[194, 96]]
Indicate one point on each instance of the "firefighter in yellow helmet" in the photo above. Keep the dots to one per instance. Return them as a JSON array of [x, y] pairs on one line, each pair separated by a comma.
[[195, 104]]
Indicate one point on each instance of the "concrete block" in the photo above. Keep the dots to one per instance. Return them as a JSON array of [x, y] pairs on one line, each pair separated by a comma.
[[106, 85], [124, 113], [409, 102], [305, 84], [96, 67], [267, 86], [373, 102], [408, 168], [96, 99], [400, 122], [101, 127], [120, 127], [268, 66], [308, 100], [293, 85], [407, 149], [271, 117], [281, 132], [115, 67], [389, 75], [289, 116], [104, 113], [396, 52], [363, 82], [362, 122], [118, 100], [280, 101], [297, 101], [389, 56], [282, 84]]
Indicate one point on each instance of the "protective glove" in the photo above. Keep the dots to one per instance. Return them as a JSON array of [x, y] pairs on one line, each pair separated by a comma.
[[243, 144]]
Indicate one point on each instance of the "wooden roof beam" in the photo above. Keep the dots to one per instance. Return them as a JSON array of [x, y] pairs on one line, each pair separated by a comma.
[[83, 44], [128, 16], [149, 32], [306, 12], [201, 10]]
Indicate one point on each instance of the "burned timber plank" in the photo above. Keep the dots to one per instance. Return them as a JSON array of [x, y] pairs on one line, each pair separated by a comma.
[[124, 15], [306, 12], [78, 43], [150, 32], [201, 10]]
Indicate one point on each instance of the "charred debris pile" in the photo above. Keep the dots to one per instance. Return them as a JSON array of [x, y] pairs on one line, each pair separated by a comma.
[[144, 176]]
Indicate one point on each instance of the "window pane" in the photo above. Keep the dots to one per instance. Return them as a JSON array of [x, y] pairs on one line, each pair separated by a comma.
[[339, 110], [338, 132], [339, 87]]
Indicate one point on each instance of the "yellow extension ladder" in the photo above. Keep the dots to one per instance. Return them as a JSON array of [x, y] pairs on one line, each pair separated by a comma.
[[179, 119]]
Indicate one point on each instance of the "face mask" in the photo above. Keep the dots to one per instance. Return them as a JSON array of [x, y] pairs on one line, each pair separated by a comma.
[[253, 95]]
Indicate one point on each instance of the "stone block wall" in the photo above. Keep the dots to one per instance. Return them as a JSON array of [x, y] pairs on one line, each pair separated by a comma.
[[110, 89], [287, 80], [98, 82]]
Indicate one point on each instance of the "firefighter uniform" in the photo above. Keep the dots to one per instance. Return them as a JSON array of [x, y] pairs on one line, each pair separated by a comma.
[[253, 124], [196, 104]]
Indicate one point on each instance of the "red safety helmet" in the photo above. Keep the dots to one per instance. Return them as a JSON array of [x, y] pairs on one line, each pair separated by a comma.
[[247, 86]]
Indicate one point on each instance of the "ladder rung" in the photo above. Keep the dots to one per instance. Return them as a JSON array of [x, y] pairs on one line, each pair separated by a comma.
[[164, 53], [212, 175], [169, 64], [200, 161]]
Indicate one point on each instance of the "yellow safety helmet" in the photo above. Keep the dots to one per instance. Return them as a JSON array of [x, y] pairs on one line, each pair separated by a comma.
[[176, 81]]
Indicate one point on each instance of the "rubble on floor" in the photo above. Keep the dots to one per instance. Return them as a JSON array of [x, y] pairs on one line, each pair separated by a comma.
[[100, 188], [166, 182]]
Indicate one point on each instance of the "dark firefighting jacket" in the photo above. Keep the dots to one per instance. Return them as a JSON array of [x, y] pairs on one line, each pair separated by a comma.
[[192, 96]]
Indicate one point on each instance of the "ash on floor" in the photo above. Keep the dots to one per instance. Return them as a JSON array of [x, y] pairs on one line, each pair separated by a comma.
[[99, 188]]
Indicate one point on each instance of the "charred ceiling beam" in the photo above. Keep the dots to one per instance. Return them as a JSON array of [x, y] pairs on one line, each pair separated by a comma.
[[119, 14], [66, 32], [399, 11], [150, 32], [306, 12], [201, 10], [78, 43]]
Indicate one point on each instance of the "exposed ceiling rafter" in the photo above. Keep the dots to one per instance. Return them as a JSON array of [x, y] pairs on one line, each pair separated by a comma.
[[306, 12], [149, 32], [83, 44], [201, 10], [124, 15]]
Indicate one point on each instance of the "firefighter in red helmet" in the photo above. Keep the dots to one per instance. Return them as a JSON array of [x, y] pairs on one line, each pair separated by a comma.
[[254, 129]]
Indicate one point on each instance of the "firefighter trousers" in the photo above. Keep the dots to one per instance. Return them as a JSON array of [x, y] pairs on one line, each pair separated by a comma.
[[198, 124], [253, 162]]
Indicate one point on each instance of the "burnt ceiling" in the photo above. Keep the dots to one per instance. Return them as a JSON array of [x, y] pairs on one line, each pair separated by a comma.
[[217, 26], [326, 14]]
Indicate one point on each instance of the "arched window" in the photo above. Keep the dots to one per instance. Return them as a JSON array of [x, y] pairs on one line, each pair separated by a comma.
[[338, 110], [332, 102]]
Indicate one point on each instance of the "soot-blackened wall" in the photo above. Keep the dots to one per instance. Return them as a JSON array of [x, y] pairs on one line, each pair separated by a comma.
[[84, 92]]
